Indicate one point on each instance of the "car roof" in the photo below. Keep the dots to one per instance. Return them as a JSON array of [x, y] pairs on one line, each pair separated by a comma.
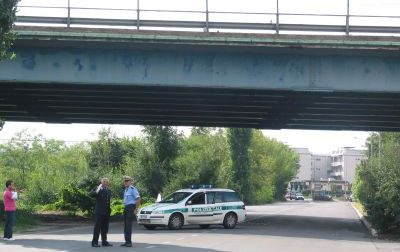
[[206, 190]]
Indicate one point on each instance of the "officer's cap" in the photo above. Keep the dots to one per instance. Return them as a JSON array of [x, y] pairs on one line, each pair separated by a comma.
[[127, 178]]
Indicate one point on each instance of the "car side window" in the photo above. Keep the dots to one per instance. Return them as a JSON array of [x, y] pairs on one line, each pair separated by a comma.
[[198, 199], [210, 197], [231, 197], [219, 197]]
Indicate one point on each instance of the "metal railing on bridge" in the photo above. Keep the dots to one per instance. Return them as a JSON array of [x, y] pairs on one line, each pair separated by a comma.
[[203, 20]]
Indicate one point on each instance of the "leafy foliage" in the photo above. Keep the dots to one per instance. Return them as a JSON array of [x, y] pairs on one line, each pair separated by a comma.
[[155, 166], [273, 165], [204, 159], [377, 184], [74, 199], [239, 141], [108, 152], [7, 18], [57, 176]]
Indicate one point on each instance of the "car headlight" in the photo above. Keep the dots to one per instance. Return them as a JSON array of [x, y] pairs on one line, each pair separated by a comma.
[[157, 212]]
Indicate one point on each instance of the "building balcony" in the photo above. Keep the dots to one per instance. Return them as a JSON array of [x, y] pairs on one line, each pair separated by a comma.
[[336, 164], [336, 173]]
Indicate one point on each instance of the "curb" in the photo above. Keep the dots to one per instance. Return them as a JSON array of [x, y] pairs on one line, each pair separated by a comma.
[[366, 223]]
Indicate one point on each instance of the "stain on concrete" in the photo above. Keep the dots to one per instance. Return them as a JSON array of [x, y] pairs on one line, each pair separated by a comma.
[[127, 61], [29, 62], [92, 61], [56, 65], [187, 64], [78, 64]]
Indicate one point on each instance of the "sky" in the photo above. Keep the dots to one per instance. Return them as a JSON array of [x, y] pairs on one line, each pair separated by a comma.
[[322, 142]]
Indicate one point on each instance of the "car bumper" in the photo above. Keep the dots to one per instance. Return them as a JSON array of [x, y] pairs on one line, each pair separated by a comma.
[[158, 220]]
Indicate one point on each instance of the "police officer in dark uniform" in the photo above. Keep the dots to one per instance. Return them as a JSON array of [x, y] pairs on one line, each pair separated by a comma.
[[102, 213]]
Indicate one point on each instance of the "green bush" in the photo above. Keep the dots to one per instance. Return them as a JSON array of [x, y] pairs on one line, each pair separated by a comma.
[[75, 199], [47, 207], [263, 196], [117, 207], [377, 183]]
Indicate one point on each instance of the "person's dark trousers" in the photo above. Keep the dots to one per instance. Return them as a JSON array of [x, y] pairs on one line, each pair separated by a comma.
[[128, 218], [101, 226], [10, 221]]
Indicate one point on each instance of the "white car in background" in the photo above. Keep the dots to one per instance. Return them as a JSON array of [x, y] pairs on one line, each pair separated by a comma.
[[202, 207]]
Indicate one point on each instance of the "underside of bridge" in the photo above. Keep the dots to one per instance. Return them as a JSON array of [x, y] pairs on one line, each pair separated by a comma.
[[188, 79], [199, 107]]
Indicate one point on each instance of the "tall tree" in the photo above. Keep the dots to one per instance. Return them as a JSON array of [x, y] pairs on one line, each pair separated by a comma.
[[204, 159], [16, 156], [156, 167], [201, 130], [107, 154], [239, 141], [8, 9]]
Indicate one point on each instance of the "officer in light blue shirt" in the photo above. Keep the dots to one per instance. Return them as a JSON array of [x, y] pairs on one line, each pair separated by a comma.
[[132, 204]]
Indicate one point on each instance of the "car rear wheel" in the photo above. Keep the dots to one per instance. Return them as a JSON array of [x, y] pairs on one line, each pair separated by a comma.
[[204, 226], [230, 221], [148, 227], [175, 221]]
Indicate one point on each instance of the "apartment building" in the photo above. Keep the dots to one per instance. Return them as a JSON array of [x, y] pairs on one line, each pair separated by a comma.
[[304, 172], [340, 165], [344, 163], [320, 165]]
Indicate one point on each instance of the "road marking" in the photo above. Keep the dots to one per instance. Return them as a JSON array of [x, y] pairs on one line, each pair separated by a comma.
[[180, 239], [150, 247], [194, 235], [166, 242]]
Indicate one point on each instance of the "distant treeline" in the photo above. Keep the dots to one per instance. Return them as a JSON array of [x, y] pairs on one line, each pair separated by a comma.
[[58, 176]]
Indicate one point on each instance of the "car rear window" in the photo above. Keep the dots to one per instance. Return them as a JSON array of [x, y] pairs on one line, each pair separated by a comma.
[[231, 197]]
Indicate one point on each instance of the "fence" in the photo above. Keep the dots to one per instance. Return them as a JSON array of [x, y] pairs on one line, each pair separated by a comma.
[[202, 20]]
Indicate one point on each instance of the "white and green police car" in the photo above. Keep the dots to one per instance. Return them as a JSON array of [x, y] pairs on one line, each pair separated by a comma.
[[202, 207]]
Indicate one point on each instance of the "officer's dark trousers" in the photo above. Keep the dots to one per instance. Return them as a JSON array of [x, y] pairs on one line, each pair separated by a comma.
[[10, 221], [101, 225], [128, 218]]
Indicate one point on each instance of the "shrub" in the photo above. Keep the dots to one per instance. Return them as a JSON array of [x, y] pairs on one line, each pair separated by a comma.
[[117, 207], [74, 199], [263, 196]]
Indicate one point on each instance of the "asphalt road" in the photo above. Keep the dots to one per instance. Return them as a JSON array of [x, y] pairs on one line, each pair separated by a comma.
[[290, 226]]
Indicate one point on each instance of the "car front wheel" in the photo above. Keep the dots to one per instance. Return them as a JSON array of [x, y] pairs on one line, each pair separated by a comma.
[[175, 221], [230, 221]]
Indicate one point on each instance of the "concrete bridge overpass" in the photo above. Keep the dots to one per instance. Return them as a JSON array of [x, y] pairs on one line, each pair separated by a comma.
[[73, 75]]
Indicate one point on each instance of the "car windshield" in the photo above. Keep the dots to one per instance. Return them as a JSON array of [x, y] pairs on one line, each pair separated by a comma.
[[176, 197]]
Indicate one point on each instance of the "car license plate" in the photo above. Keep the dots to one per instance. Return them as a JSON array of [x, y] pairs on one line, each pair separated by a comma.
[[143, 216]]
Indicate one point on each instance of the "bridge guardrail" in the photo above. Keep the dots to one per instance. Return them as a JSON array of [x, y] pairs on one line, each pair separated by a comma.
[[206, 23]]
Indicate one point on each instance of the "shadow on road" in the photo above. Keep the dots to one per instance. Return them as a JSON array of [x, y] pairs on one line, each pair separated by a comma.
[[75, 245], [267, 225]]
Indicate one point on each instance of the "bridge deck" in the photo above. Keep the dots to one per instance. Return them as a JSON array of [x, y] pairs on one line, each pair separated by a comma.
[[205, 79]]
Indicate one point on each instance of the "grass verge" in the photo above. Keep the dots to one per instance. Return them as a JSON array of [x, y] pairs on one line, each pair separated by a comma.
[[360, 208]]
